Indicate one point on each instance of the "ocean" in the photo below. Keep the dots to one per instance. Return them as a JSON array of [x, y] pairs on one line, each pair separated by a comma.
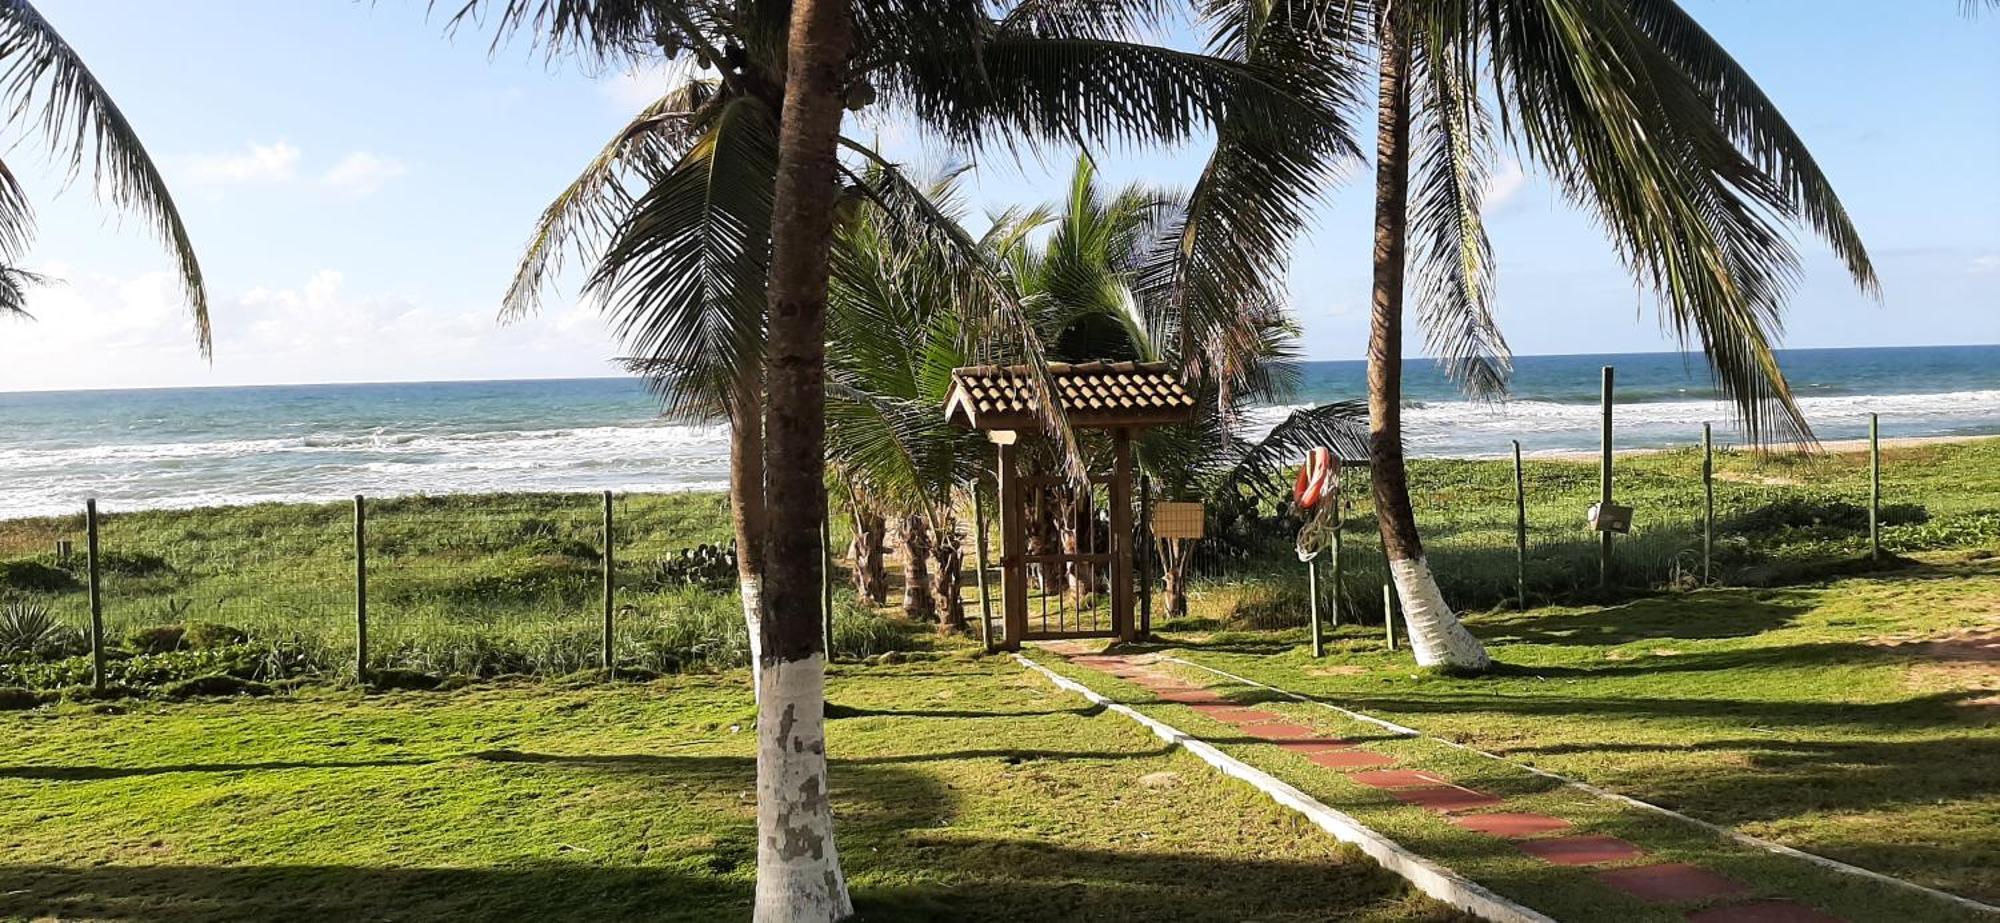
[[185, 447]]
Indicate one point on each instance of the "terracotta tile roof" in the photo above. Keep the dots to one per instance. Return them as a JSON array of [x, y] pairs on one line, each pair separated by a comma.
[[1096, 395]]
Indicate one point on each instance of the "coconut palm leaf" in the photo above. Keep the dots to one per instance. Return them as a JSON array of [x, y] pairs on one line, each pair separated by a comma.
[[44, 81], [1261, 469]]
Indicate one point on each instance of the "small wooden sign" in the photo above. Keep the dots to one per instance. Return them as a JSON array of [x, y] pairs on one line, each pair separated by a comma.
[[1178, 520]]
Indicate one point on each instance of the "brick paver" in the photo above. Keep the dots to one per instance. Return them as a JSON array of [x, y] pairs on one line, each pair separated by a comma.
[[1344, 760], [1671, 883], [1446, 799], [1587, 849], [1400, 778], [1762, 912], [1510, 825]]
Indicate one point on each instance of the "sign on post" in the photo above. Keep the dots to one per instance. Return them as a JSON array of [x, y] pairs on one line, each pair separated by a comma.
[[1178, 520]]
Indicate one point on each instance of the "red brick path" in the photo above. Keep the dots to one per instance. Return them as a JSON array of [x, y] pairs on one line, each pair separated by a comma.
[[1538, 835]]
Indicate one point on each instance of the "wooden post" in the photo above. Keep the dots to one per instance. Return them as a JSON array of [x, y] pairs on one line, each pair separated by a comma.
[[1145, 551], [1874, 487], [97, 678], [1389, 614], [1122, 622], [826, 581], [1604, 486], [1707, 502], [610, 588], [1013, 571], [1339, 520], [979, 551], [1520, 532], [360, 589], [1312, 606]]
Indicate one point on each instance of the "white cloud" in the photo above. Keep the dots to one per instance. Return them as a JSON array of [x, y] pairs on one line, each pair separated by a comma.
[[260, 163], [639, 87], [362, 173], [1987, 263], [1504, 184]]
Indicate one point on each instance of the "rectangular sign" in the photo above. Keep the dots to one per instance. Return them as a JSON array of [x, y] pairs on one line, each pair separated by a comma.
[[1178, 520]]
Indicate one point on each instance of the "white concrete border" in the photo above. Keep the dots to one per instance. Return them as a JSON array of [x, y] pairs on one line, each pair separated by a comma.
[[1737, 836], [1429, 877]]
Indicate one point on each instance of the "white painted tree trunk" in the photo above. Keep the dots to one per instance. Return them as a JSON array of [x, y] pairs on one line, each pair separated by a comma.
[[752, 591], [1437, 637], [798, 872]]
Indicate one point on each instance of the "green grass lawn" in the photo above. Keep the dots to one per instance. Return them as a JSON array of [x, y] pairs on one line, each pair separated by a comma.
[[1817, 716], [965, 789]]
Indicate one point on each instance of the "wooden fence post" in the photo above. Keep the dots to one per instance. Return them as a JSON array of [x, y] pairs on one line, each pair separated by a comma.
[[1604, 486], [1312, 605], [985, 593], [1874, 487], [610, 590], [1389, 614], [1144, 547], [1707, 502], [360, 589], [98, 681], [1520, 533]]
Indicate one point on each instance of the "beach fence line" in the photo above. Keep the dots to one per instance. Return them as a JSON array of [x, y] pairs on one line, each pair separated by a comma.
[[566, 582]]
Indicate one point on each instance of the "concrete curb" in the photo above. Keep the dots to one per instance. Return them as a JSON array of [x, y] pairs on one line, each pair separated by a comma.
[[1736, 836], [1433, 879]]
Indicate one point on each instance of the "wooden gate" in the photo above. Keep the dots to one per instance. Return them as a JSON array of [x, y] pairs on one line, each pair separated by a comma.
[[1067, 564]]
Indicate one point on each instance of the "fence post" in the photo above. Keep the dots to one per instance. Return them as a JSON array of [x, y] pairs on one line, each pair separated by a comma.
[[1312, 605], [610, 588], [1707, 502], [1389, 614], [1520, 532], [97, 678], [360, 589], [1145, 549], [1604, 485], [985, 595], [1874, 487], [1338, 521]]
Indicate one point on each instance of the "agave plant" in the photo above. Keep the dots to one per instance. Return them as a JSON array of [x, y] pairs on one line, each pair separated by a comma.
[[29, 629]]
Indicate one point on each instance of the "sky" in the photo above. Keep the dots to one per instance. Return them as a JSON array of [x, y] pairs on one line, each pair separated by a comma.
[[358, 184]]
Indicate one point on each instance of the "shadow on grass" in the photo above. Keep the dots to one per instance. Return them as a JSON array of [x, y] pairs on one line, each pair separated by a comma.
[[99, 773], [935, 879], [836, 711], [1684, 617]]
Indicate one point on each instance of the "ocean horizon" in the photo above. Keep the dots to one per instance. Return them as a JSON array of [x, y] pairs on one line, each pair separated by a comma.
[[224, 445]]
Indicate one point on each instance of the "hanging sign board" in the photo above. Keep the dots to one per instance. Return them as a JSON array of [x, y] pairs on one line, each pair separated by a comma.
[[1610, 517], [1178, 520]]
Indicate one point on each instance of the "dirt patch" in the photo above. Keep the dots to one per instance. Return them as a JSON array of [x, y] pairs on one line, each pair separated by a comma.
[[1344, 669], [1760, 480]]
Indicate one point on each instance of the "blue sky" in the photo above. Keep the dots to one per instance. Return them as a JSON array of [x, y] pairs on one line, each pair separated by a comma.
[[358, 185]]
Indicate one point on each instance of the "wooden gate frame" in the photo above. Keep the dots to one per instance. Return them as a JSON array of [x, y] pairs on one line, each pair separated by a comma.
[[1121, 398]]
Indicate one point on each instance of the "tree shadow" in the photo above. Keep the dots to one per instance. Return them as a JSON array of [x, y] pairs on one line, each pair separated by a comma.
[[1692, 616], [836, 711], [100, 773]]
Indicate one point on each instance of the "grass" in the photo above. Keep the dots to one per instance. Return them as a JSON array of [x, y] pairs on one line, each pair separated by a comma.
[[1810, 715], [964, 788]]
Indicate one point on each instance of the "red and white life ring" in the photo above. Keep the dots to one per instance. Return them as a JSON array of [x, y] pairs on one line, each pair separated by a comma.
[[1317, 477]]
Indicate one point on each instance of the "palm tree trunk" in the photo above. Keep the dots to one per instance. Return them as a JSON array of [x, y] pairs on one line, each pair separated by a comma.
[[746, 504], [1436, 636], [948, 559], [798, 870], [871, 580], [918, 604]]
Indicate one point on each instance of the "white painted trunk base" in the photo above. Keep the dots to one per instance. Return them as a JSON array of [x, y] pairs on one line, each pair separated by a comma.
[[1437, 637], [798, 871], [752, 591]]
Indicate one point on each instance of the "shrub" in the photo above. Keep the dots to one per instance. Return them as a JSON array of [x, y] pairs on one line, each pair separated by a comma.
[[27, 576], [215, 684], [15, 698], [29, 630], [709, 566], [394, 678], [1265, 606], [210, 635], [860, 632], [155, 639]]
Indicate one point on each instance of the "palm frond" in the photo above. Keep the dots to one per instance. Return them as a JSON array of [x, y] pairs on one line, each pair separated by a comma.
[[593, 204], [43, 80], [683, 276], [1341, 426], [14, 286]]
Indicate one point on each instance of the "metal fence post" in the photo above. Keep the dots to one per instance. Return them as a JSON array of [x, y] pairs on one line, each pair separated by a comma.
[[1707, 502], [1604, 485], [1338, 522], [985, 592], [97, 678], [1874, 487], [610, 588], [1145, 549], [360, 589], [1520, 532], [1312, 606]]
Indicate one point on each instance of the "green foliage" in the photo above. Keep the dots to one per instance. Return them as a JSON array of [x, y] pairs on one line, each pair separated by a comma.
[[15, 698], [27, 629], [702, 566], [214, 684], [32, 576], [155, 639]]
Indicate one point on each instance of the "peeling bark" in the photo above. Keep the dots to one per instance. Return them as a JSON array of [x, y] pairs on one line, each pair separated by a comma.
[[918, 603]]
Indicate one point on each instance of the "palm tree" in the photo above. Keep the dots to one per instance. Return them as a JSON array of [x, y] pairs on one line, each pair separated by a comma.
[[1039, 71], [44, 82], [1640, 118]]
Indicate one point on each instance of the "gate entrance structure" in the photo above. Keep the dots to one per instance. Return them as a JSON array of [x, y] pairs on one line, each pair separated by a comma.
[[1066, 547]]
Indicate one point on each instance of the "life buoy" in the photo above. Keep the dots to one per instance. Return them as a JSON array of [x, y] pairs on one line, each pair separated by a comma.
[[1316, 476]]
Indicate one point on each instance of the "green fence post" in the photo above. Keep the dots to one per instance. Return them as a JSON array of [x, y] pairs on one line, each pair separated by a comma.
[[1145, 550], [1707, 502], [1312, 605], [985, 594], [1604, 487], [1520, 532], [360, 589], [97, 678], [826, 581], [610, 588], [1337, 523], [1874, 487]]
